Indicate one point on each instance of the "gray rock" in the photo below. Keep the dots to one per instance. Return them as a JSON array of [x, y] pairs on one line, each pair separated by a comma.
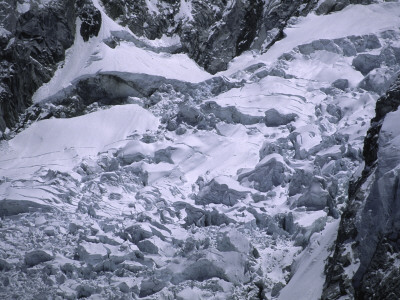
[[15, 207], [265, 176], [4, 265], [303, 236], [335, 111], [229, 114], [316, 197], [341, 84], [347, 47], [273, 118], [228, 266], [204, 218], [123, 287], [276, 289], [189, 115], [365, 42], [255, 67], [215, 192], [300, 181], [91, 253], [378, 80], [164, 155], [148, 246], [278, 146], [389, 56], [136, 233], [151, 286], [36, 257], [49, 230], [38, 40], [369, 224], [85, 291], [366, 63], [180, 130], [236, 28]]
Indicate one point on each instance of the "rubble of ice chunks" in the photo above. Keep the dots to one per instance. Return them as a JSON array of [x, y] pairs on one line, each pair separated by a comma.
[[229, 114], [374, 56], [209, 114], [202, 217], [137, 254], [348, 46], [206, 116]]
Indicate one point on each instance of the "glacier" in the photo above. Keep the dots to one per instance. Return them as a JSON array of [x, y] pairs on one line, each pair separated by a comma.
[[201, 150]]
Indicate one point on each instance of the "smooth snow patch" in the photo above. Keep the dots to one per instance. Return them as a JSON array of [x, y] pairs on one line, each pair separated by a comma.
[[61, 143]]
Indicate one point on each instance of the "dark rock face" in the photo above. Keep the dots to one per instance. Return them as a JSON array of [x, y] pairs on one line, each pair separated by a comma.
[[215, 32], [370, 224], [36, 42], [329, 6], [91, 19]]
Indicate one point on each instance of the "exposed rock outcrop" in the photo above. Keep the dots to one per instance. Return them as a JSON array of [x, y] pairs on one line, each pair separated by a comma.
[[369, 225], [35, 42]]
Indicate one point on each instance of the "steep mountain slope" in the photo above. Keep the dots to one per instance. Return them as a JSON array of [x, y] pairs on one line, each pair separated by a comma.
[[206, 150], [369, 226]]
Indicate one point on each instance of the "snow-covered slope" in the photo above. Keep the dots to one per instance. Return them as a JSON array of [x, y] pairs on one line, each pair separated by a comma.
[[95, 56], [137, 174]]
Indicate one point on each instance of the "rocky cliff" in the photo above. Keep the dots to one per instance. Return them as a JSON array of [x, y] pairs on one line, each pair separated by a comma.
[[34, 37], [368, 234]]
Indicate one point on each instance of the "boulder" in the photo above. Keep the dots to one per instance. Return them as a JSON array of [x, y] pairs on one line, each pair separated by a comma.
[[229, 114], [151, 286], [91, 253], [378, 80], [4, 265], [148, 246], [273, 118], [204, 218], [219, 193], [269, 173], [36, 257], [341, 84], [365, 63], [316, 198]]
